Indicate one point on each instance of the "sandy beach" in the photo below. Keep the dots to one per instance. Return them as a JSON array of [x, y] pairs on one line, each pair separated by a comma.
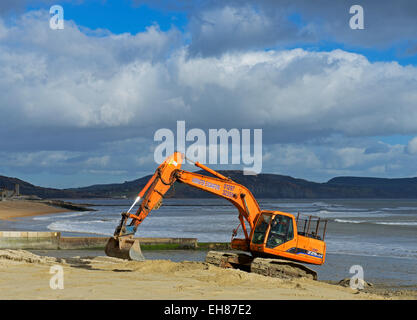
[[27, 276], [22, 208]]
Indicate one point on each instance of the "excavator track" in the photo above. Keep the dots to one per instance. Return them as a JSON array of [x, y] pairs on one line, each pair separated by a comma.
[[229, 260], [280, 268], [277, 268]]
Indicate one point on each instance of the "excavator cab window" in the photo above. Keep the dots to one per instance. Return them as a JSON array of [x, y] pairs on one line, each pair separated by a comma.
[[261, 229], [281, 231]]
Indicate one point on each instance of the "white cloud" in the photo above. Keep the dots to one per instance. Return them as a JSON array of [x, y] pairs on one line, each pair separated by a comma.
[[412, 146], [320, 162], [39, 159], [220, 29], [79, 81], [101, 161], [292, 156]]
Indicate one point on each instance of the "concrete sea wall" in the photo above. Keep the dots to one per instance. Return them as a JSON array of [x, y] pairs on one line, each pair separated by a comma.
[[29, 240], [53, 240]]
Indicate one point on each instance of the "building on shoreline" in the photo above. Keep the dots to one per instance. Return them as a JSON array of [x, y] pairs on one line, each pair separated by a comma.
[[7, 194]]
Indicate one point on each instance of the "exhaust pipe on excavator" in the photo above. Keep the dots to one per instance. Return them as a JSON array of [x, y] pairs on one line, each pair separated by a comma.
[[124, 247]]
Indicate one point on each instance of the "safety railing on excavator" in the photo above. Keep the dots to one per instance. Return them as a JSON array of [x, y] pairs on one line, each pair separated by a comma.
[[311, 226]]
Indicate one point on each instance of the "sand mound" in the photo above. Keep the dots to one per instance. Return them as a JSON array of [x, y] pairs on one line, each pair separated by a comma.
[[200, 271], [23, 256], [225, 277], [166, 266], [232, 277]]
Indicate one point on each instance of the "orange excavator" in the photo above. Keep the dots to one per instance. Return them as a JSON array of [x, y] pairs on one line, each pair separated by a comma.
[[275, 243]]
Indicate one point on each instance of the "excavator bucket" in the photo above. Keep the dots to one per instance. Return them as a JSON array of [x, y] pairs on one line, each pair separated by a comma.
[[124, 247]]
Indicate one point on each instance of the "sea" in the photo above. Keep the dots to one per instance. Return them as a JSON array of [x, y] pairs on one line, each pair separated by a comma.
[[379, 236]]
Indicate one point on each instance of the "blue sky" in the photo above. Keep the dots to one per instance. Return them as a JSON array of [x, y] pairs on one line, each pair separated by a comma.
[[81, 105], [121, 16]]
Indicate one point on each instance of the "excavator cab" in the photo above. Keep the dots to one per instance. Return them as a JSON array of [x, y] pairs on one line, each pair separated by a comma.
[[276, 234], [272, 230], [275, 229]]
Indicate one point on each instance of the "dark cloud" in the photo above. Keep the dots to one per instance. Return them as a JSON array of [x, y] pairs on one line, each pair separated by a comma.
[[220, 26]]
